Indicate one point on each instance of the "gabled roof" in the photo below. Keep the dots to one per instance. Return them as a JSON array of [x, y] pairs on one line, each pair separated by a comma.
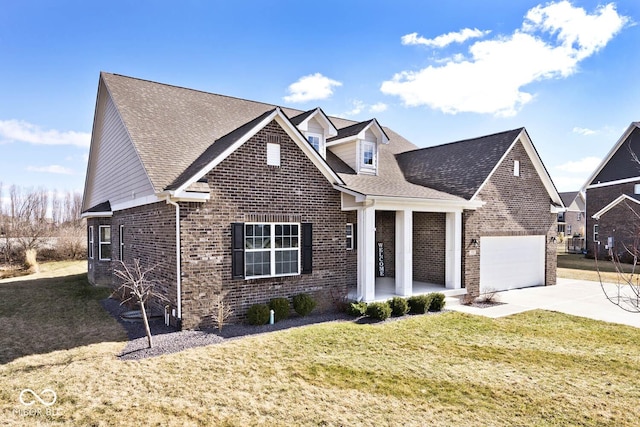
[[355, 130], [618, 164], [622, 198], [568, 197], [460, 167]]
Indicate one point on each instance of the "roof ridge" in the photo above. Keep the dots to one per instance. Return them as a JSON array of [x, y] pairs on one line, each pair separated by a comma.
[[267, 104], [465, 140]]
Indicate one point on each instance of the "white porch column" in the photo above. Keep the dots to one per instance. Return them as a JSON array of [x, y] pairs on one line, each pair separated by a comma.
[[366, 253], [453, 247], [404, 252]]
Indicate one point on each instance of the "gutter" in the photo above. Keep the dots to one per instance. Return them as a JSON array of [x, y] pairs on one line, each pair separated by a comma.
[[178, 270]]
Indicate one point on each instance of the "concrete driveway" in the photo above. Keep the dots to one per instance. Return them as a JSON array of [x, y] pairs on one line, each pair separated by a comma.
[[576, 297]]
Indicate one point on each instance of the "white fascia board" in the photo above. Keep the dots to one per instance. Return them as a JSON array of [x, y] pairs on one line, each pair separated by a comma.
[[187, 196], [226, 153], [620, 181], [140, 201], [425, 205], [297, 137], [329, 128], [613, 204], [556, 209], [608, 157], [537, 164], [97, 214], [341, 140]]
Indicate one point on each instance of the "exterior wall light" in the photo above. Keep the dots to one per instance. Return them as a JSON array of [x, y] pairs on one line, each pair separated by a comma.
[[474, 243]]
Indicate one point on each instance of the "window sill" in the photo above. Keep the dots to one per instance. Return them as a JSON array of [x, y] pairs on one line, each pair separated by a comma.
[[275, 276]]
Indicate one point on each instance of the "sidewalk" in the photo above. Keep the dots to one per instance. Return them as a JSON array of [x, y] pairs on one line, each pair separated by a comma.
[[576, 297]]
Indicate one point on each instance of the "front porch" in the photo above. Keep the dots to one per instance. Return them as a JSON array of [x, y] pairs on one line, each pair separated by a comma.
[[385, 289]]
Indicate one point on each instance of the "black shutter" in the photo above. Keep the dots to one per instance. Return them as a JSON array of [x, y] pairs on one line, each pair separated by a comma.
[[355, 235], [307, 248], [237, 250]]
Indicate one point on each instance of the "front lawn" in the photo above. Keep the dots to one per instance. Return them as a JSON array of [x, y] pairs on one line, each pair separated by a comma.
[[536, 368], [577, 266]]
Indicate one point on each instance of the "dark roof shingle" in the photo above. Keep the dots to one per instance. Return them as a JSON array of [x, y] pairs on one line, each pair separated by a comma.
[[457, 168]]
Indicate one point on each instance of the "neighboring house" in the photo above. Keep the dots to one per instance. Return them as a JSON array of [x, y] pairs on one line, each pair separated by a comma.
[[261, 201], [613, 197], [572, 222]]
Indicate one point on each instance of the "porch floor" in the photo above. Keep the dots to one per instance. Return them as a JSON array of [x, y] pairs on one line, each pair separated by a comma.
[[386, 289]]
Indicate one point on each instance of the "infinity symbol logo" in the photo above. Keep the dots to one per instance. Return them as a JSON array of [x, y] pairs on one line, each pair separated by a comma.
[[38, 398]]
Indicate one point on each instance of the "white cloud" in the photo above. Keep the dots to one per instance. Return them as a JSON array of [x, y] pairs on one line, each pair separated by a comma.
[[569, 183], [21, 131], [378, 107], [584, 165], [360, 106], [310, 88], [51, 169], [445, 39], [552, 41], [583, 131]]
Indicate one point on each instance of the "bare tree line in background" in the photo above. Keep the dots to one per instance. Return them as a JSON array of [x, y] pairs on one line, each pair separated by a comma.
[[37, 223]]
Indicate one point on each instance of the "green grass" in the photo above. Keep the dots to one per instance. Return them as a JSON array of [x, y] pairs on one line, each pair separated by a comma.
[[535, 368], [576, 266]]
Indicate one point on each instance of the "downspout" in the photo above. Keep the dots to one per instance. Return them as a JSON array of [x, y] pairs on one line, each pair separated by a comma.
[[178, 272]]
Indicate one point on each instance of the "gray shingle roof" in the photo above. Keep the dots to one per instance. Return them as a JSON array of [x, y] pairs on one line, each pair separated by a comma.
[[102, 207], [568, 197], [458, 168], [178, 131]]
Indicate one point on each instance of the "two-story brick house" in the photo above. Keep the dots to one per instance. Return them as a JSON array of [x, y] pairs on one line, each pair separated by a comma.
[[613, 198], [261, 201]]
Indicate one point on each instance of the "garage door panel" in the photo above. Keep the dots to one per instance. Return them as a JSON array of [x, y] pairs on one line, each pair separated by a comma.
[[511, 262]]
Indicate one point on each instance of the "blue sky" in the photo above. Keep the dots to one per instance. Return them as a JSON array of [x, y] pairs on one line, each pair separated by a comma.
[[433, 71]]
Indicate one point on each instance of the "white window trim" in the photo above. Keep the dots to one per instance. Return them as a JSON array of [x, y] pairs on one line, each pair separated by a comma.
[[516, 168], [363, 165], [350, 236], [91, 242], [596, 233], [321, 143], [121, 245], [272, 250], [100, 242]]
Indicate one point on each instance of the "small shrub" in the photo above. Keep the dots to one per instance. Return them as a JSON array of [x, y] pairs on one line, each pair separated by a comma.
[[489, 296], [258, 314], [437, 302], [280, 307], [419, 304], [357, 309], [303, 304], [399, 306], [379, 310]]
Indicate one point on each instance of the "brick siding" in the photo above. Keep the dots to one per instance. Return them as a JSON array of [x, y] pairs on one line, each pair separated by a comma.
[[98, 271], [429, 247], [515, 206], [619, 223], [244, 188]]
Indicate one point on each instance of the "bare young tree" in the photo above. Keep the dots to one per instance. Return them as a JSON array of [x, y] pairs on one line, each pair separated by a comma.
[[221, 310], [137, 286], [624, 253]]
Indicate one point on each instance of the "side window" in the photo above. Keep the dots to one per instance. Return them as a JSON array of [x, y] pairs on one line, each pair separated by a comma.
[[105, 242], [349, 236], [90, 242], [596, 236], [121, 242]]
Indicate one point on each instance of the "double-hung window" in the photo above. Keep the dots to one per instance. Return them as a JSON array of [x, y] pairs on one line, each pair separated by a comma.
[[104, 247], [368, 154], [90, 242], [271, 249], [596, 236], [350, 243], [314, 140]]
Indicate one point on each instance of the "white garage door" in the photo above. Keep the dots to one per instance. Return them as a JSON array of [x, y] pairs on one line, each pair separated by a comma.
[[511, 262]]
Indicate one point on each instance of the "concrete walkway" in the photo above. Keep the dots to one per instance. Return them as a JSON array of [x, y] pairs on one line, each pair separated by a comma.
[[576, 297]]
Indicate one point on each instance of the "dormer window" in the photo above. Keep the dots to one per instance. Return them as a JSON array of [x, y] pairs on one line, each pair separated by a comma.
[[368, 155], [317, 128], [316, 140]]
